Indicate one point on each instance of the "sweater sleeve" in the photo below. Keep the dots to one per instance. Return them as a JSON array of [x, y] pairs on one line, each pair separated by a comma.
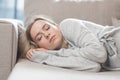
[[86, 43], [69, 62]]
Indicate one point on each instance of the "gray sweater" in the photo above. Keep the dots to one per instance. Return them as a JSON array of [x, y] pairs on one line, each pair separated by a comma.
[[85, 52]]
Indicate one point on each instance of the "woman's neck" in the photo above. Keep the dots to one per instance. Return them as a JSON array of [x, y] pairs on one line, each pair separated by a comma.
[[65, 44]]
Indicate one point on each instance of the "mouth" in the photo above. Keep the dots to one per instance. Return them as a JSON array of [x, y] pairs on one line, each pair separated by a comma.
[[52, 38]]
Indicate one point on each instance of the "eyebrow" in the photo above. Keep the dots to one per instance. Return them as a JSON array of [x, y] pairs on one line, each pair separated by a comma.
[[39, 32], [43, 26]]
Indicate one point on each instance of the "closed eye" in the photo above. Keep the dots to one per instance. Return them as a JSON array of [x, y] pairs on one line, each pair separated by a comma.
[[39, 37]]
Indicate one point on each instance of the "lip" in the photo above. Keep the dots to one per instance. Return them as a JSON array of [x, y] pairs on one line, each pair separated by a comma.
[[52, 38]]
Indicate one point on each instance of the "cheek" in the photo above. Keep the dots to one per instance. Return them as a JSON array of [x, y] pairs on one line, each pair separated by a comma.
[[59, 34], [56, 31], [43, 43]]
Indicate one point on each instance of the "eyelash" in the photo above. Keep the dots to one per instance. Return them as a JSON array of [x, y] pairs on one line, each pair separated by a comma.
[[39, 38]]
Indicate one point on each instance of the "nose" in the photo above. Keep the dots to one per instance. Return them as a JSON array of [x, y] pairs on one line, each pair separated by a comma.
[[47, 35]]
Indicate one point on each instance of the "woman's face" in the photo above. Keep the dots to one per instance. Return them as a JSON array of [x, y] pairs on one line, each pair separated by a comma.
[[46, 35]]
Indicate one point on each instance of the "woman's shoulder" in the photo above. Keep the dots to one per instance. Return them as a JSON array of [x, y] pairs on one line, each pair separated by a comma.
[[66, 27], [71, 27], [69, 23], [66, 23], [69, 20]]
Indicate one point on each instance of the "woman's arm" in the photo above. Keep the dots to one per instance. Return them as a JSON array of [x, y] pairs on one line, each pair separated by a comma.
[[69, 62]]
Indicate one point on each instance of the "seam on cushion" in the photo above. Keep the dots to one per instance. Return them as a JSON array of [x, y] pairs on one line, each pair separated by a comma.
[[14, 46]]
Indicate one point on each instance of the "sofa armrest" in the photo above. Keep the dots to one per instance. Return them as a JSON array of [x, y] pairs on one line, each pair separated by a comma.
[[8, 47]]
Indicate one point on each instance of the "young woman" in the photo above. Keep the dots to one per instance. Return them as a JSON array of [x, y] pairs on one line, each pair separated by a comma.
[[73, 44]]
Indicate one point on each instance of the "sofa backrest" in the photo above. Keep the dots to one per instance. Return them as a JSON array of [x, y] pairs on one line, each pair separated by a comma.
[[98, 11]]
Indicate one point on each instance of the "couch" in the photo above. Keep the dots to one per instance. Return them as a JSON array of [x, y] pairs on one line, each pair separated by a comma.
[[8, 49], [104, 12]]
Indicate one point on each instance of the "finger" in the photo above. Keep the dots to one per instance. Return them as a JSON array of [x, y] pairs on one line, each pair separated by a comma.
[[34, 51], [29, 55], [29, 51], [38, 49]]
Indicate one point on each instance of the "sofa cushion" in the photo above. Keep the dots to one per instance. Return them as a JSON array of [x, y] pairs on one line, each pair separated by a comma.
[[27, 70], [98, 11]]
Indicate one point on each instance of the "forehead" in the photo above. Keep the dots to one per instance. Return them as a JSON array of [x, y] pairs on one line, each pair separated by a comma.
[[38, 22], [37, 25]]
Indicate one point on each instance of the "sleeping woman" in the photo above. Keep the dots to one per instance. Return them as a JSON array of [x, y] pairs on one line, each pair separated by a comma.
[[73, 44]]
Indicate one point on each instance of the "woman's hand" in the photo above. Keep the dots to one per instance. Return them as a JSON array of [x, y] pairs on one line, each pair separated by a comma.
[[32, 51]]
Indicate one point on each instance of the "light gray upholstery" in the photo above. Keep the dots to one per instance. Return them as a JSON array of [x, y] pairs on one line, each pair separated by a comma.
[[8, 48], [98, 11], [26, 70]]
